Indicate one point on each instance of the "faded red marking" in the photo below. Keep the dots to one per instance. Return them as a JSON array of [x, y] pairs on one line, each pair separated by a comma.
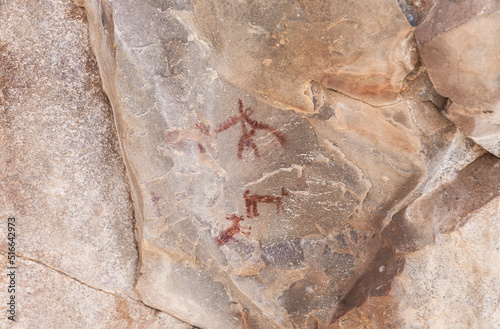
[[155, 199], [172, 137], [205, 129], [247, 133], [229, 233], [181, 140], [251, 202]]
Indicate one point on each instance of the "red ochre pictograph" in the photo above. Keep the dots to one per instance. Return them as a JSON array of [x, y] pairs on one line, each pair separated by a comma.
[[251, 204], [248, 130], [249, 127], [252, 201], [229, 233]]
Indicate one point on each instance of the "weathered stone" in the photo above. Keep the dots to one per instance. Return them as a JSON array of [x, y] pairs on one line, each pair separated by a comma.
[[60, 156], [416, 10], [289, 163], [460, 47], [277, 49], [48, 298], [454, 283], [261, 182], [424, 223], [447, 207], [62, 178]]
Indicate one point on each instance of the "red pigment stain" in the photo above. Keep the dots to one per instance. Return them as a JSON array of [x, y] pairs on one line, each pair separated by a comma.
[[229, 233], [248, 130], [251, 202]]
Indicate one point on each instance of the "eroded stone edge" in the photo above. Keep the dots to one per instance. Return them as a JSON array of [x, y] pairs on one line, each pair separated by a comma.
[[474, 188]]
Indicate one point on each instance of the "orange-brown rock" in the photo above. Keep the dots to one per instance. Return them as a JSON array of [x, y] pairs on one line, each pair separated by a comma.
[[460, 47]]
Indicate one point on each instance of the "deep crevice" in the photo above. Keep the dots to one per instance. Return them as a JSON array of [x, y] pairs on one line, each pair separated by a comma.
[[475, 185]]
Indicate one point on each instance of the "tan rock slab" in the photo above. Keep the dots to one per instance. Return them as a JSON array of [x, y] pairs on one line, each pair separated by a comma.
[[48, 298], [62, 176], [460, 47], [261, 176]]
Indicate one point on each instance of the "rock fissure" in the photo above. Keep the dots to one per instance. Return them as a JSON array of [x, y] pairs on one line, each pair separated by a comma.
[[113, 294], [402, 237]]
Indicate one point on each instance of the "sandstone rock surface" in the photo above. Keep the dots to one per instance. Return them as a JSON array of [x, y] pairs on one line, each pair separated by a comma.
[[460, 46], [455, 282], [62, 178], [451, 283], [269, 149], [49, 298], [60, 158], [273, 165]]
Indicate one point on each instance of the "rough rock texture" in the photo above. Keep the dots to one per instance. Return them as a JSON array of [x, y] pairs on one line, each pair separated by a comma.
[[451, 283], [276, 48], [62, 177], [60, 158], [460, 46], [278, 153], [292, 164], [455, 283], [49, 298]]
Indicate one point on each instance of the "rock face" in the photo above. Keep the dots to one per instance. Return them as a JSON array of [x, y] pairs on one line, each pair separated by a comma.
[[62, 178], [455, 282], [60, 146], [278, 153], [460, 46], [48, 298], [276, 49], [291, 164]]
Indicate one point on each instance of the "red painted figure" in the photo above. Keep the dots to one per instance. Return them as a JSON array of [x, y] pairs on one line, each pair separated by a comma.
[[251, 201], [247, 133], [229, 233]]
